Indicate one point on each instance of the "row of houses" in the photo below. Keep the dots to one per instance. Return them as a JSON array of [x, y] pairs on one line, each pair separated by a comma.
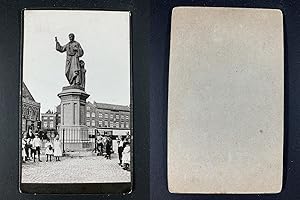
[[104, 115]]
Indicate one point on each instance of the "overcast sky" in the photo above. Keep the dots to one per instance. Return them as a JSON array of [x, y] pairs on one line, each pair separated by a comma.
[[104, 37]]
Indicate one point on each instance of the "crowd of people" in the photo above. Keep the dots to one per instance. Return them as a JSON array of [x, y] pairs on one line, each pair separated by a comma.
[[32, 144], [104, 148]]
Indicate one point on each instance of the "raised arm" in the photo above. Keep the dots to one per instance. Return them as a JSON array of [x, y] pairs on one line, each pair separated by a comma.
[[59, 47]]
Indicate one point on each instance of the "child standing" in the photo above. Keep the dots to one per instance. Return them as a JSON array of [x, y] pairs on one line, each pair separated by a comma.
[[49, 149], [57, 148], [36, 143]]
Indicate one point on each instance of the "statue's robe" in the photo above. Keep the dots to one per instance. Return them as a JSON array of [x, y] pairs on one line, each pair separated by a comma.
[[72, 69]]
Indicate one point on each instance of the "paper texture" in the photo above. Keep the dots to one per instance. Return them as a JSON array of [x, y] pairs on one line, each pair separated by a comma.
[[225, 104]]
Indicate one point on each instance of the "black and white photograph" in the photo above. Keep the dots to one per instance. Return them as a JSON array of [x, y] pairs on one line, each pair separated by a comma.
[[75, 120]]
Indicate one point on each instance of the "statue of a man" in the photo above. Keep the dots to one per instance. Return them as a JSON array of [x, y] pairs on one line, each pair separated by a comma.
[[74, 52]]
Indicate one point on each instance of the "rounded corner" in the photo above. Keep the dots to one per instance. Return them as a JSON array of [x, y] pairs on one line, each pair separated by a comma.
[[279, 189], [170, 189], [20, 190], [280, 12], [174, 9], [129, 192]]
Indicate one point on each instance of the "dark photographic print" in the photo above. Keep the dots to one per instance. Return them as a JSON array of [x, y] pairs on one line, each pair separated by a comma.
[[76, 102]]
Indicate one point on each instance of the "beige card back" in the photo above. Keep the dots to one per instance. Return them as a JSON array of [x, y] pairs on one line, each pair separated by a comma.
[[226, 100]]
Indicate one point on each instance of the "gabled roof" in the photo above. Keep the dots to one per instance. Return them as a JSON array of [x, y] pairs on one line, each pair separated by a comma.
[[49, 112], [25, 93], [90, 104], [107, 106]]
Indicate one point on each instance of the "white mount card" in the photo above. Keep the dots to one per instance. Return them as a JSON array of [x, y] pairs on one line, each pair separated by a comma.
[[226, 100]]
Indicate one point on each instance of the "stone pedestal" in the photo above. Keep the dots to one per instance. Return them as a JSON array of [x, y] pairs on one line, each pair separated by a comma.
[[73, 132]]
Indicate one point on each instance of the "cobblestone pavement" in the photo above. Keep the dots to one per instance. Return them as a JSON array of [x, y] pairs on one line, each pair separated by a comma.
[[75, 168]]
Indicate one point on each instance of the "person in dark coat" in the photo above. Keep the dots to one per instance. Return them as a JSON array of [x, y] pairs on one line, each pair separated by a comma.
[[99, 145], [120, 149], [108, 148]]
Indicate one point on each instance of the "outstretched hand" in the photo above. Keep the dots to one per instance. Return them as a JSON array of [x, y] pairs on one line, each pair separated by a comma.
[[56, 39]]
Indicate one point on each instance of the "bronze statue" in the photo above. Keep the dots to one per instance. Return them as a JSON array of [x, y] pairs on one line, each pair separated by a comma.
[[74, 69]]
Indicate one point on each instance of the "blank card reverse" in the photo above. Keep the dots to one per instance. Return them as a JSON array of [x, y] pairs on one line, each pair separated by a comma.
[[226, 100]]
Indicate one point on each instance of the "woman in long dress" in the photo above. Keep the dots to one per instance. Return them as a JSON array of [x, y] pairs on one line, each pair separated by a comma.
[[24, 141], [57, 148], [126, 156]]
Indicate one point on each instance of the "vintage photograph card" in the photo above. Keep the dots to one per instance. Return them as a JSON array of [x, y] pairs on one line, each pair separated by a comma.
[[76, 102], [226, 100]]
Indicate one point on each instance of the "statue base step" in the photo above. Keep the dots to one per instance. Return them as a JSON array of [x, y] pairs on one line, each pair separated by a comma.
[[73, 87]]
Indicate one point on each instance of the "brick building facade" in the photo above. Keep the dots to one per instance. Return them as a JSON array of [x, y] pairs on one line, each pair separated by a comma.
[[102, 115], [49, 123]]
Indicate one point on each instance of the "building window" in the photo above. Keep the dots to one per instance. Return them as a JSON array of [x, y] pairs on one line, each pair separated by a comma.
[[127, 124], [117, 124], [111, 116], [122, 116], [111, 124], [126, 117], [30, 114], [88, 114], [45, 124], [88, 123], [51, 118], [100, 115], [100, 123], [45, 118], [106, 123], [122, 124], [51, 124], [93, 114], [23, 125], [106, 115], [87, 108], [93, 122], [117, 116]]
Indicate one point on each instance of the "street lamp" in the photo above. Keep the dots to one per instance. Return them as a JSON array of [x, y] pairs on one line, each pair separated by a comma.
[[95, 146]]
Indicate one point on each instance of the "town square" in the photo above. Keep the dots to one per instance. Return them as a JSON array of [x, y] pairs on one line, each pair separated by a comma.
[[76, 134]]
